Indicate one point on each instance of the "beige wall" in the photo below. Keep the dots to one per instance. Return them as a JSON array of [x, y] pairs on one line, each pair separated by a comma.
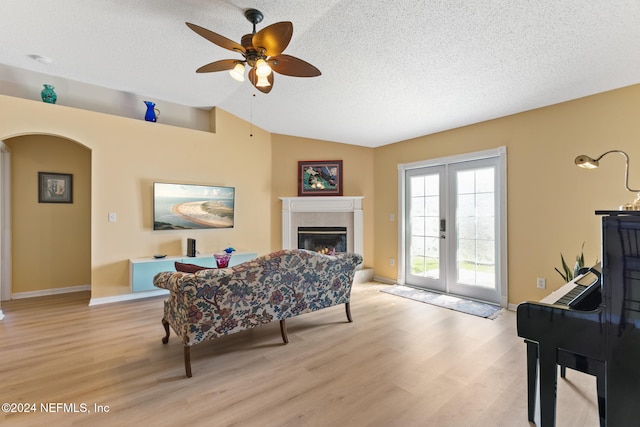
[[128, 155], [51, 244], [357, 164], [550, 202]]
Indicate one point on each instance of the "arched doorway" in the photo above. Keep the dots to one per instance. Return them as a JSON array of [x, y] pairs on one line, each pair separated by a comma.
[[46, 247]]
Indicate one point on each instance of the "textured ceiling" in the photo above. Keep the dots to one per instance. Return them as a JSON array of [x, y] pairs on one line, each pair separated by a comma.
[[391, 70]]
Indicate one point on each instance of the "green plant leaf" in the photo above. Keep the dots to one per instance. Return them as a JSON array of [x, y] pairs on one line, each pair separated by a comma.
[[568, 273], [561, 275]]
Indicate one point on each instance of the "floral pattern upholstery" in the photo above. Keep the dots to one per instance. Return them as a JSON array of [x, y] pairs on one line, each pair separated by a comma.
[[216, 302]]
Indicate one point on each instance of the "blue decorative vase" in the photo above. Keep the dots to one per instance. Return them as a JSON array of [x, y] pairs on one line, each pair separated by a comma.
[[48, 95], [152, 113]]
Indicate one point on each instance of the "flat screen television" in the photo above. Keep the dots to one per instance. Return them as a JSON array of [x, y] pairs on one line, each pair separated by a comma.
[[186, 206]]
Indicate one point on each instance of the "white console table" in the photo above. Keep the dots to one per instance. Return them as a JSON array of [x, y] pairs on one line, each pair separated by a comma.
[[143, 270]]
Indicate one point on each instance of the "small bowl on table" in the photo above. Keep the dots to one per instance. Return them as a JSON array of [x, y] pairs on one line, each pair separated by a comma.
[[222, 260]]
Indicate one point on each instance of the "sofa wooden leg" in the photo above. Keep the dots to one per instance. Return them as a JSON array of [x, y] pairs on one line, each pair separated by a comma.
[[283, 331], [165, 339], [347, 307], [187, 360]]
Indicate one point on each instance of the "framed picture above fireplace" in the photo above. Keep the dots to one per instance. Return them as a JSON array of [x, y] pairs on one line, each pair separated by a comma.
[[320, 178]]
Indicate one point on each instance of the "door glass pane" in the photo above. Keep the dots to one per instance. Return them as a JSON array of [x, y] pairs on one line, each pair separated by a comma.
[[485, 180], [417, 227], [432, 185], [432, 206], [466, 228], [466, 182], [424, 223], [475, 227], [417, 255], [417, 186], [486, 228], [432, 226], [466, 205]]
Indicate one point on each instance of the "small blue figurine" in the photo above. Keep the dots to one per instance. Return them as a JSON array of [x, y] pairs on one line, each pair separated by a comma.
[[229, 250]]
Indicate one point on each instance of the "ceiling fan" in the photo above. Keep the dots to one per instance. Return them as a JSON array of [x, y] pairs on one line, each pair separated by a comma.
[[261, 51]]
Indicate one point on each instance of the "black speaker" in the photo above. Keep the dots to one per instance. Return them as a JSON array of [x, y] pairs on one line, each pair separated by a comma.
[[191, 247]]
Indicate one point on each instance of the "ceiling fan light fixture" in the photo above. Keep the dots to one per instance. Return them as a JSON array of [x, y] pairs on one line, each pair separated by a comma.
[[238, 72], [262, 53], [262, 81], [262, 68]]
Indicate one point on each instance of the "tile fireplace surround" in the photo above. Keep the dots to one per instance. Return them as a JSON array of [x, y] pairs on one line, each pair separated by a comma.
[[323, 211]]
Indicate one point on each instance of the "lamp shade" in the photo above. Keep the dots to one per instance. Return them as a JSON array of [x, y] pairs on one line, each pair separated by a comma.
[[263, 82], [586, 162], [262, 68], [238, 72]]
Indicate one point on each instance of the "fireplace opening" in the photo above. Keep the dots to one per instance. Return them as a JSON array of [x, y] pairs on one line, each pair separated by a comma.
[[325, 240]]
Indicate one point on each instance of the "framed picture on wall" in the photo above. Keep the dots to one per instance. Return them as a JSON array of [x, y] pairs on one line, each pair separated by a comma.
[[320, 178], [55, 187]]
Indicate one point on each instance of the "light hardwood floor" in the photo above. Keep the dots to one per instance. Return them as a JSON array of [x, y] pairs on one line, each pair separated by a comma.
[[400, 363]]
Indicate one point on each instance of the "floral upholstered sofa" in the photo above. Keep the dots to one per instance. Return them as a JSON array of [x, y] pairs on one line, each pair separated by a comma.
[[211, 303]]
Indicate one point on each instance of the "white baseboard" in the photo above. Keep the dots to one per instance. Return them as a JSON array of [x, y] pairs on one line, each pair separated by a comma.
[[54, 291], [385, 280], [92, 301], [128, 297]]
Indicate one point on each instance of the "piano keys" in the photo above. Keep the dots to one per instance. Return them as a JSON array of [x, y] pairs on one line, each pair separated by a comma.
[[573, 293], [567, 297], [596, 332]]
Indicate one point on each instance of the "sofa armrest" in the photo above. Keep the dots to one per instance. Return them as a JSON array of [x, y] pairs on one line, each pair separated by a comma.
[[177, 281]]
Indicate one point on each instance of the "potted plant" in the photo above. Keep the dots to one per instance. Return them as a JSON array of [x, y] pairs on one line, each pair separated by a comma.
[[568, 273]]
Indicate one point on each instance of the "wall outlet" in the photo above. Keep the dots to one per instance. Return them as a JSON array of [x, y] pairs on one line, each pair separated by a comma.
[[113, 217], [541, 282], [392, 261], [392, 217]]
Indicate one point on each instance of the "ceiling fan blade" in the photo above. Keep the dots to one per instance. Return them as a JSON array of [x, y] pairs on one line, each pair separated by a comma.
[[291, 66], [254, 80], [274, 39], [216, 38], [225, 64]]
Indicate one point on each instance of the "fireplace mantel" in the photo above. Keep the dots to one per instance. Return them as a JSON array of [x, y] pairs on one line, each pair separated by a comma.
[[322, 204], [293, 206]]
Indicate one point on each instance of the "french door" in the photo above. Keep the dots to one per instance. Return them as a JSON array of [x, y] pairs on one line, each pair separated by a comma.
[[453, 228]]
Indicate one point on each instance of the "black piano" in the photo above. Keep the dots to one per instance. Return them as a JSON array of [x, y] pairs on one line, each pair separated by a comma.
[[596, 330]]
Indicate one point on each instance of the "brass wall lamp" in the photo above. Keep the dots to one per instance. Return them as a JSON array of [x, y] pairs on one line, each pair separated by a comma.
[[587, 162]]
